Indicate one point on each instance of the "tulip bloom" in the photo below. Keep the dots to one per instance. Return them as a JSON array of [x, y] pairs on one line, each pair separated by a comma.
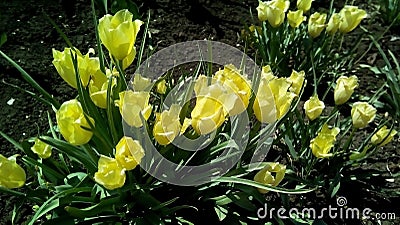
[[350, 16], [73, 124], [295, 18], [118, 34], [304, 5], [141, 83], [131, 104], [207, 115], [64, 65], [314, 107], [11, 174], [98, 86], [362, 114], [297, 80], [128, 153], [333, 24], [273, 11], [344, 89], [383, 136], [167, 125], [110, 174], [42, 149], [322, 144], [265, 175], [316, 24]]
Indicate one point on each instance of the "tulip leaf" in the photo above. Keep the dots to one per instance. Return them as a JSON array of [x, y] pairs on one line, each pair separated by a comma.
[[3, 39], [105, 205]]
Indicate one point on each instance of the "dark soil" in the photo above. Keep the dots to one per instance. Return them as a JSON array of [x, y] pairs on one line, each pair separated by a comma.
[[31, 38]]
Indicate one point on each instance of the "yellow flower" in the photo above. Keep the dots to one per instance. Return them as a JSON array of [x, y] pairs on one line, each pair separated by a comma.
[[297, 80], [316, 24], [162, 87], [42, 149], [128, 153], [295, 18], [314, 107], [118, 34], [273, 98], [362, 114], [304, 5], [273, 11], [350, 16], [322, 144], [167, 125], [333, 24], [207, 115], [73, 124], [64, 65], [131, 104], [265, 175], [98, 86], [11, 174], [110, 174], [383, 136], [344, 89], [141, 83]]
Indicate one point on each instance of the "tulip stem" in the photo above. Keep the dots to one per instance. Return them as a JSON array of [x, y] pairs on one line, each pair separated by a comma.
[[346, 146], [314, 74]]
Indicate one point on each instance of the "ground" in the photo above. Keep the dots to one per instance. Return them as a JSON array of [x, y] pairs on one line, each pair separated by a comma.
[[31, 38]]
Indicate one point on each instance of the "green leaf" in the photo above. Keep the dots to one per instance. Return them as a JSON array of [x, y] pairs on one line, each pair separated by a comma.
[[262, 186], [12, 141], [221, 212], [3, 39], [105, 205]]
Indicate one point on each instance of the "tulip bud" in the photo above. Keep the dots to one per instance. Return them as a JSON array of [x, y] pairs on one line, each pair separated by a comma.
[[350, 16], [42, 149], [118, 34], [344, 89], [11, 174], [128, 153], [131, 104], [167, 125], [333, 24], [265, 176], [273, 11], [316, 24], [162, 87], [110, 174], [322, 144], [73, 124], [304, 5], [362, 114], [383, 136], [295, 18], [314, 107]]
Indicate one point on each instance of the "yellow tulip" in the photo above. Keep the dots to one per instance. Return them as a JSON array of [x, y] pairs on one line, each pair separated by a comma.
[[162, 87], [42, 149], [265, 176], [383, 136], [64, 65], [322, 144], [131, 104], [167, 125], [283, 98], [344, 89], [110, 174], [118, 34], [128, 60], [297, 80], [313, 107], [207, 115], [333, 24], [304, 5], [141, 83], [98, 86], [11, 174], [295, 18], [72, 123], [350, 16], [362, 114], [316, 24], [128, 153], [273, 11]]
